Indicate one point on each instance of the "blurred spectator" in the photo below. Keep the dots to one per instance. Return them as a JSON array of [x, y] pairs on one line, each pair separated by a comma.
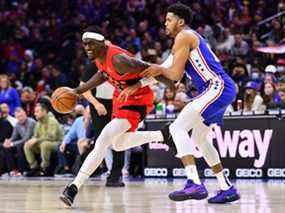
[[72, 145], [168, 101], [239, 74], [281, 103], [226, 41], [280, 83], [14, 146], [240, 46], [270, 96], [277, 32], [58, 78], [28, 100], [6, 130], [48, 133], [8, 94], [5, 114], [79, 110], [181, 88], [180, 101], [252, 100], [269, 76]]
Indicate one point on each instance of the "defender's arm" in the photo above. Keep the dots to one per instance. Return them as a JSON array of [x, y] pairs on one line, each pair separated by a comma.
[[126, 64]]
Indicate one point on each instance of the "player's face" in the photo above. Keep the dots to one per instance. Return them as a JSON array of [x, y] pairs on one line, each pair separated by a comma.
[[92, 48], [171, 24]]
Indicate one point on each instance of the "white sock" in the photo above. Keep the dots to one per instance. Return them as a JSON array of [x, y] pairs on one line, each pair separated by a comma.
[[80, 179], [192, 173], [223, 180]]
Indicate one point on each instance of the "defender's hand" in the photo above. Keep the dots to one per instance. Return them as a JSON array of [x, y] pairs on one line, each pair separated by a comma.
[[152, 71], [130, 90]]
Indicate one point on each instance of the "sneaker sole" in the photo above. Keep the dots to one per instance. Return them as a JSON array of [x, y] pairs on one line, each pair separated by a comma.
[[187, 197], [65, 200], [227, 200]]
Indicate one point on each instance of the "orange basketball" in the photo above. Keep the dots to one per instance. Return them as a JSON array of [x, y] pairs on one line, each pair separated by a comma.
[[63, 100]]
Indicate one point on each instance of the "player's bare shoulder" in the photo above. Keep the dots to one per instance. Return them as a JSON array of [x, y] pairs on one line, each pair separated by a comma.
[[119, 61], [186, 38]]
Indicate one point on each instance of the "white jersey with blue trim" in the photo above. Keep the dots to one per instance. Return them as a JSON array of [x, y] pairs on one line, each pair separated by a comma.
[[202, 64]]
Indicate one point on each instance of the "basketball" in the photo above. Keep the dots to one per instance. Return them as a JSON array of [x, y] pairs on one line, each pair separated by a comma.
[[63, 100]]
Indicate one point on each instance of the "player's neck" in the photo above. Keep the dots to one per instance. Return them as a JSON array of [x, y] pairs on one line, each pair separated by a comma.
[[103, 55]]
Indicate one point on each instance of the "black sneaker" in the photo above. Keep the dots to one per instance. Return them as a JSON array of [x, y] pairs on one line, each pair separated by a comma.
[[168, 138], [63, 173], [69, 194], [33, 173], [58, 170], [112, 182]]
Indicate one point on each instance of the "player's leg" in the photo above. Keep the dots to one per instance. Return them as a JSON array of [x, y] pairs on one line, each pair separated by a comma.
[[179, 131], [113, 129], [132, 139], [228, 193]]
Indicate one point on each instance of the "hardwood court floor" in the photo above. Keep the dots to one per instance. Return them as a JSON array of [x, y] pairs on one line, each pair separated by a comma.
[[150, 195]]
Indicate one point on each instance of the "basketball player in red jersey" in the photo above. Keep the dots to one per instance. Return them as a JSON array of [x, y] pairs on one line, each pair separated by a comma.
[[122, 70]]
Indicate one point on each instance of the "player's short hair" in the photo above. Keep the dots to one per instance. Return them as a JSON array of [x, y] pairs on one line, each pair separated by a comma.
[[182, 11], [93, 29]]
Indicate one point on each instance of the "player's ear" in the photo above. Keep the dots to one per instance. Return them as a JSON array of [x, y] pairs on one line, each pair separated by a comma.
[[107, 42], [181, 22]]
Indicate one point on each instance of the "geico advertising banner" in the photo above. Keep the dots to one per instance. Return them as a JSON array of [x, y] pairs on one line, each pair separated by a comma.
[[249, 148]]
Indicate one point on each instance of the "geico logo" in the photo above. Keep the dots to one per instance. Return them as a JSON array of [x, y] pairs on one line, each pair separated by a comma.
[[152, 172], [276, 172], [209, 172], [178, 172], [249, 173]]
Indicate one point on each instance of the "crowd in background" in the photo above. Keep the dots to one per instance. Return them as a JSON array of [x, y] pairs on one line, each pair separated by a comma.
[[40, 50]]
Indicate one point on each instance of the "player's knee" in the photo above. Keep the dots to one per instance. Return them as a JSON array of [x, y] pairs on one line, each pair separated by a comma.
[[176, 127]]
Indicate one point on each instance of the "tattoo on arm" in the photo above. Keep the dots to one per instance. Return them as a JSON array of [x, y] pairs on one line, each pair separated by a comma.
[[93, 82], [127, 64]]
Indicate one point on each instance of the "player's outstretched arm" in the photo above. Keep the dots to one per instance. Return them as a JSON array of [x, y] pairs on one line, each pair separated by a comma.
[[127, 64], [184, 43], [93, 82]]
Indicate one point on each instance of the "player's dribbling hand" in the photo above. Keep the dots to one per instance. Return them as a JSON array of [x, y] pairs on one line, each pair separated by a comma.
[[100, 108], [152, 71], [123, 96]]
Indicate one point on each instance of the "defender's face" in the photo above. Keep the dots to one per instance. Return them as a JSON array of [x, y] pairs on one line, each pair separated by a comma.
[[171, 22], [92, 48]]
